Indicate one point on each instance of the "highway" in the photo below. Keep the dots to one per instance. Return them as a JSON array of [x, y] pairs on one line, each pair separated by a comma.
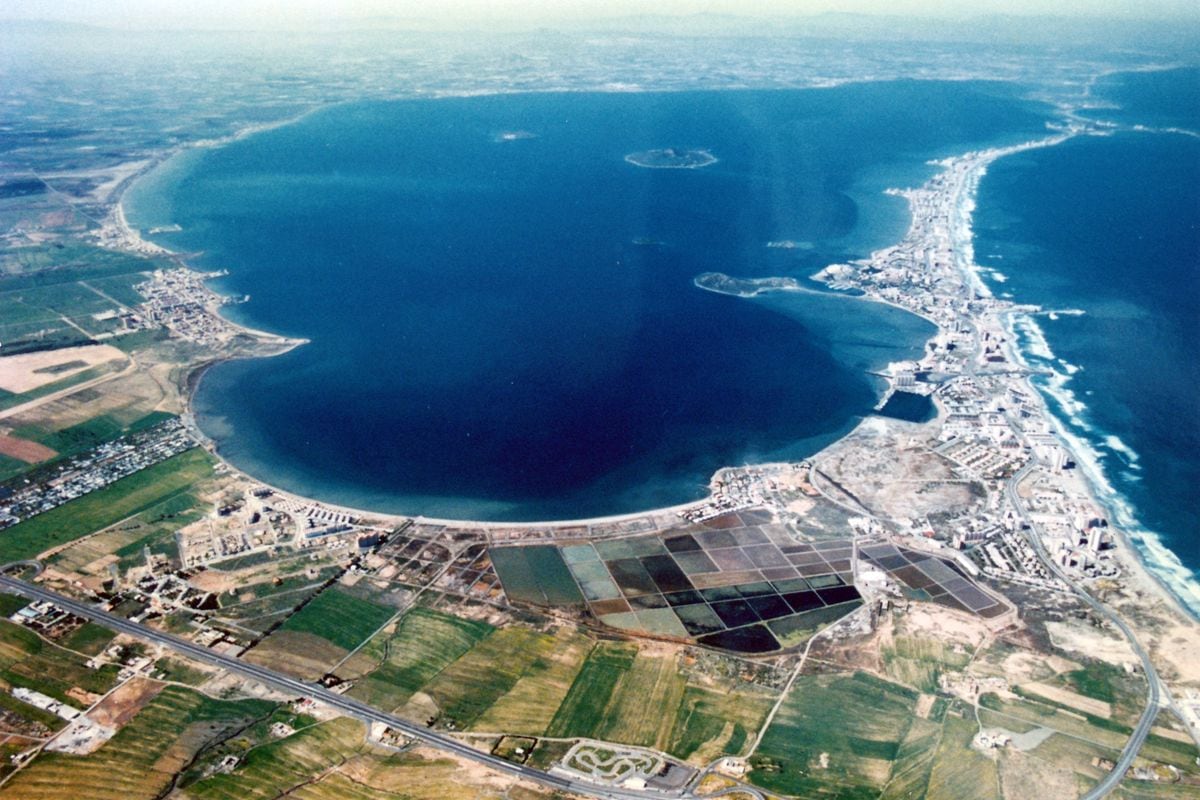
[[346, 705], [1153, 692]]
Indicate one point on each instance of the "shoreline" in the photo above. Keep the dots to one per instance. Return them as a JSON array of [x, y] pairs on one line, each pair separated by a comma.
[[118, 234], [970, 169], [1129, 553]]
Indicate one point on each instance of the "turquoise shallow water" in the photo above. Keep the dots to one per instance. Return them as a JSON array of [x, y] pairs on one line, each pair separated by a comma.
[[506, 326]]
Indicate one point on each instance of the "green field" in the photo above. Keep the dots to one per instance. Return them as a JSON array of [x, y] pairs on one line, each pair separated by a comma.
[[90, 639], [11, 467], [711, 724], [918, 662], [467, 688], [858, 720], [11, 604], [395, 666], [1103, 732], [26, 660], [141, 759], [179, 671], [339, 617], [1110, 684], [958, 771], [68, 281], [644, 703], [33, 713], [154, 528], [580, 712], [17, 643], [70, 262], [272, 769], [107, 506], [531, 704], [914, 759]]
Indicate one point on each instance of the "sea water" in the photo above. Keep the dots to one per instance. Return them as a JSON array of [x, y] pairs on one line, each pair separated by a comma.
[[500, 307]]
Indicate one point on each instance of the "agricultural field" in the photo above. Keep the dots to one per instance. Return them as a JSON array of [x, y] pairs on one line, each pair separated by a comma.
[[62, 291], [10, 467], [464, 690], [301, 655], [1146, 790], [532, 702], [710, 723], [592, 690], [177, 670], [141, 760], [29, 661], [1106, 683], [560, 684], [131, 495], [302, 767], [124, 542], [259, 600], [858, 736], [958, 772], [914, 758], [92, 432], [1072, 726], [918, 661], [323, 632], [640, 697], [272, 769], [11, 604], [12, 400], [28, 713], [642, 708], [89, 639], [835, 733], [394, 665], [338, 617]]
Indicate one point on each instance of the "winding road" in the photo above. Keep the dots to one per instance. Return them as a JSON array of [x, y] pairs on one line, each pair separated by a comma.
[[1154, 688]]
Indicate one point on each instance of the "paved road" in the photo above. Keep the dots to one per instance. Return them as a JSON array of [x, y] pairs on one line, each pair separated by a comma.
[[344, 704], [1153, 692]]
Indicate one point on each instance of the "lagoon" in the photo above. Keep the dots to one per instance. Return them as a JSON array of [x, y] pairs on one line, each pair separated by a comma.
[[506, 327]]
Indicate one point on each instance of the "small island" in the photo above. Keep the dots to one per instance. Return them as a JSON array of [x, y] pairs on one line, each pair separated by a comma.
[[721, 283], [513, 136], [672, 158]]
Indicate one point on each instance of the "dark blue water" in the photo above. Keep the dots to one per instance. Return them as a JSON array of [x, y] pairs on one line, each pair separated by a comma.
[[508, 328], [1159, 98], [1112, 226]]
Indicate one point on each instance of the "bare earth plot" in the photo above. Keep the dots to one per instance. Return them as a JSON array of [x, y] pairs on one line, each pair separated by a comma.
[[28, 371]]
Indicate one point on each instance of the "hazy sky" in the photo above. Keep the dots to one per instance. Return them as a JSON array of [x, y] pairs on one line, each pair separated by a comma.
[[292, 13]]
